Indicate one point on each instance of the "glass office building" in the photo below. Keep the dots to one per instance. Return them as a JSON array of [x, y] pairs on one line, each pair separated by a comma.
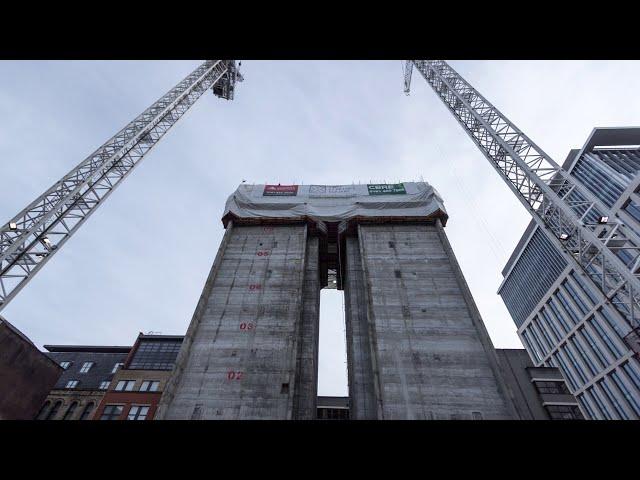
[[563, 319]]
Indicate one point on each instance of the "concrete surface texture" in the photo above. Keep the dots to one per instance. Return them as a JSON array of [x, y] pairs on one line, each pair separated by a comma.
[[428, 359], [242, 356], [416, 345]]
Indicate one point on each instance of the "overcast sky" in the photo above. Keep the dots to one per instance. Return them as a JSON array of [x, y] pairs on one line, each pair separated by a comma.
[[139, 263]]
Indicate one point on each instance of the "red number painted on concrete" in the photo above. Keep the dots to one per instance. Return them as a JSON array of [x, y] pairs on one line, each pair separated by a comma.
[[247, 326], [231, 375], [267, 229], [255, 286], [263, 253]]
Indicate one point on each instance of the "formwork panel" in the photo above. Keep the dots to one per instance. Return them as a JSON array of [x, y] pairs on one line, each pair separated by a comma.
[[429, 357], [243, 354]]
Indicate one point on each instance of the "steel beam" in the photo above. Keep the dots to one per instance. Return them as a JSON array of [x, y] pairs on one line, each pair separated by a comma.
[[34, 235], [575, 221]]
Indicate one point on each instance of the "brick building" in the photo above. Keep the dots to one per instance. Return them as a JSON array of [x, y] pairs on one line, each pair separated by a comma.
[[136, 388]]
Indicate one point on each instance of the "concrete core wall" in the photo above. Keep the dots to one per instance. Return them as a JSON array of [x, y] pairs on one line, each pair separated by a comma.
[[362, 391], [427, 356], [416, 345], [251, 350]]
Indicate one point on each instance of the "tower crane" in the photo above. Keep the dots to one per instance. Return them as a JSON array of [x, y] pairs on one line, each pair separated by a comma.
[[34, 235], [602, 247]]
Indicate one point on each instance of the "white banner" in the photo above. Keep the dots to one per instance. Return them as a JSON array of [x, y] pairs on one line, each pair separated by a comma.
[[331, 191]]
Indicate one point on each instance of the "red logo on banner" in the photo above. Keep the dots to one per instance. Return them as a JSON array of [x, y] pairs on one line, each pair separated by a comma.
[[280, 190]]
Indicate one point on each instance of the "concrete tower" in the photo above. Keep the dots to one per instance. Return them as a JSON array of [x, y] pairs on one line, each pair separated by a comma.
[[416, 345]]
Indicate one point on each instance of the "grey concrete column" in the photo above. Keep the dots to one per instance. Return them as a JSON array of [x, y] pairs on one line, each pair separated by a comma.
[[432, 359], [240, 357], [362, 391], [306, 388]]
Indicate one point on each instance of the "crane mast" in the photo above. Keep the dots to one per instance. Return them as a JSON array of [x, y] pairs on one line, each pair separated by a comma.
[[573, 218], [34, 235]]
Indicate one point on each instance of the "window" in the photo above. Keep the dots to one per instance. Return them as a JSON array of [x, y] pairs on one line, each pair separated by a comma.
[[565, 371], [155, 354], [70, 410], [86, 366], [42, 414], [585, 404], [633, 375], [104, 385], [564, 412], [531, 345], [65, 365], [125, 385], [149, 386], [567, 306], [585, 356], [556, 313], [552, 387], [138, 412], [604, 384], [633, 209], [536, 321], [71, 384], [583, 286], [627, 394], [578, 368], [612, 321], [111, 412], [531, 277], [584, 308], [53, 412], [594, 346], [549, 322], [536, 337], [595, 324], [88, 410], [116, 367], [600, 403]]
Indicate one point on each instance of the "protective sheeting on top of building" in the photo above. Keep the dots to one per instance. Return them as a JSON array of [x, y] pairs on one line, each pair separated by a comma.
[[331, 203]]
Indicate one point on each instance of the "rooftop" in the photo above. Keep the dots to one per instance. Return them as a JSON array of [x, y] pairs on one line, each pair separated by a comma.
[[334, 203], [88, 348]]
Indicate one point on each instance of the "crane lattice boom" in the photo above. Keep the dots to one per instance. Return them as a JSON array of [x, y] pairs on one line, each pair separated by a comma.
[[604, 248], [30, 238]]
